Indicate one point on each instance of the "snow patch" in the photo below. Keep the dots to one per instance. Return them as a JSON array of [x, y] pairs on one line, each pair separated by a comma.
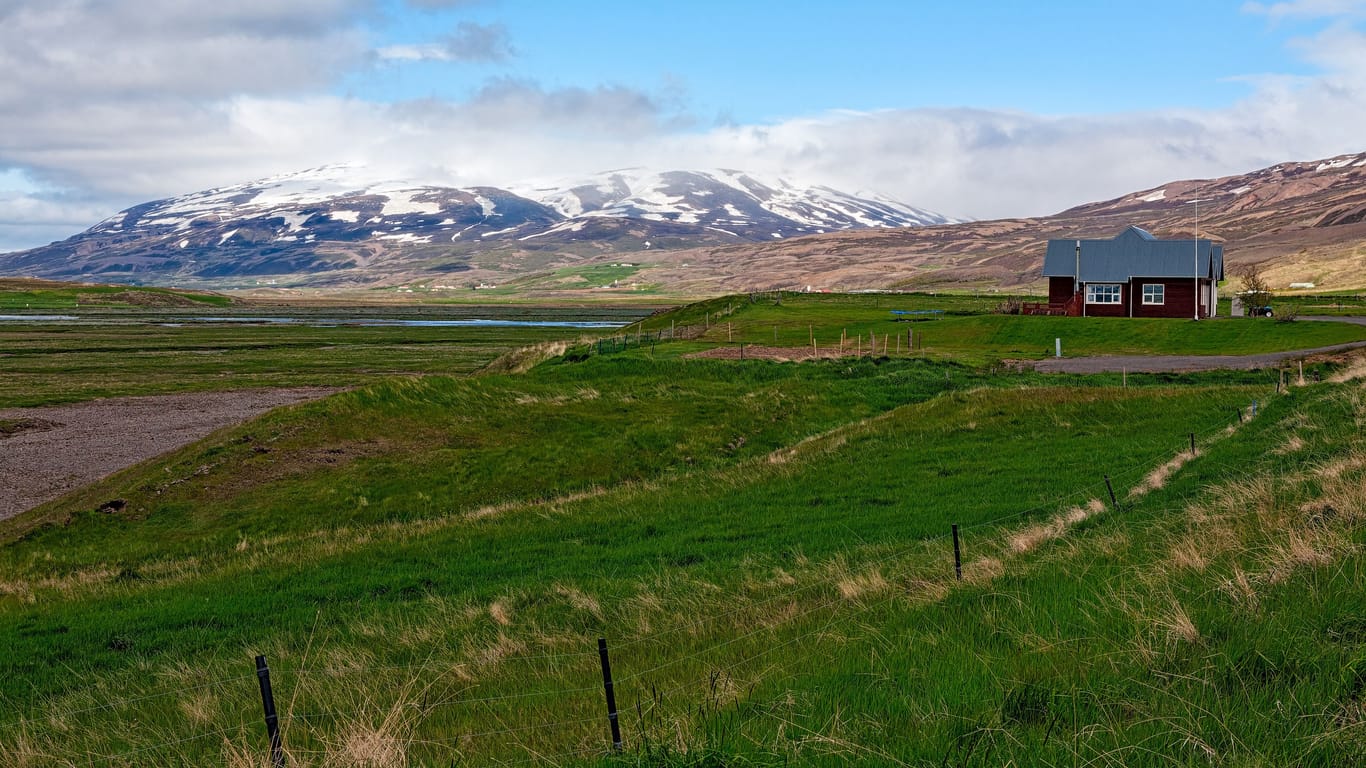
[[1339, 163], [486, 206], [1160, 194], [573, 225], [403, 237], [293, 220], [182, 243], [224, 237], [1241, 190], [350, 217], [400, 201]]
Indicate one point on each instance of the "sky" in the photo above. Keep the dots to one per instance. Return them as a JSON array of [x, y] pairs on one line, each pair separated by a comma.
[[974, 109]]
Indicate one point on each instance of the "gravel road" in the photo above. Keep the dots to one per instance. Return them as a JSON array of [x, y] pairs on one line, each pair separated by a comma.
[[1180, 363], [63, 447]]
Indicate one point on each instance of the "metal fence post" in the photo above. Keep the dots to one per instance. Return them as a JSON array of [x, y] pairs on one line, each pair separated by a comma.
[[611, 695], [277, 752], [957, 555]]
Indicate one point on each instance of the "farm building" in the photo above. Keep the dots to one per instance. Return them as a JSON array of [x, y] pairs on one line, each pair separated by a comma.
[[1132, 275]]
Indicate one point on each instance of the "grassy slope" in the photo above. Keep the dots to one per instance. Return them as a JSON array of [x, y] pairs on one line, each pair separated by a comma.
[[1216, 621], [764, 544], [382, 558]]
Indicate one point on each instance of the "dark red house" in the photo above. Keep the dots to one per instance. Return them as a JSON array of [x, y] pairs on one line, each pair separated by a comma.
[[1132, 275]]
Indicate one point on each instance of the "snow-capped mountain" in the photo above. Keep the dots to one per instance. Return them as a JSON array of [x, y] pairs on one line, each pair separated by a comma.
[[728, 201], [342, 223]]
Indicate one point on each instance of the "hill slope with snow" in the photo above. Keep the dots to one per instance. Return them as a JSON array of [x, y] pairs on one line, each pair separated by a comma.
[[335, 224]]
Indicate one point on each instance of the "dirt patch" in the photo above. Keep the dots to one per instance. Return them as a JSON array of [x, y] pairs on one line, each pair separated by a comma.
[[75, 445]]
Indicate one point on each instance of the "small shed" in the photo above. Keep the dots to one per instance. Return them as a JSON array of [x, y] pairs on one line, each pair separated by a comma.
[[1133, 275]]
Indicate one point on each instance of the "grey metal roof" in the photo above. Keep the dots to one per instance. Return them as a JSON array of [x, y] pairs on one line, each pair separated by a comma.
[[1134, 253]]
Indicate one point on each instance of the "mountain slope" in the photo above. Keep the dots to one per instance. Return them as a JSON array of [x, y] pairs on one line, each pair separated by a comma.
[[730, 201], [693, 232], [1300, 222], [332, 225]]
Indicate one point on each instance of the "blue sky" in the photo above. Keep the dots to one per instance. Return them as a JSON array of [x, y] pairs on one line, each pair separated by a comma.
[[974, 109], [767, 61]]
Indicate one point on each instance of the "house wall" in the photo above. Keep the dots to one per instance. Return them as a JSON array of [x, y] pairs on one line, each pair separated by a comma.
[[1177, 299], [1110, 310], [1179, 292], [1059, 290]]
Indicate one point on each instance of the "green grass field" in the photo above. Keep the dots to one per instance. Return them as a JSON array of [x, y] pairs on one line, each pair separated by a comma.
[[428, 562], [964, 331]]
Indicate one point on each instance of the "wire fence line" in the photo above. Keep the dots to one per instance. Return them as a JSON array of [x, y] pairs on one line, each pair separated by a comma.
[[895, 556]]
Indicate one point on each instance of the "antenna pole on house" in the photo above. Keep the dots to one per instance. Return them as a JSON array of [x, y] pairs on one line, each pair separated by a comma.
[[1195, 299], [1076, 279]]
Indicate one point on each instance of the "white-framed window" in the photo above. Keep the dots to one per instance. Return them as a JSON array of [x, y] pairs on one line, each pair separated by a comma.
[[1103, 293], [1154, 294]]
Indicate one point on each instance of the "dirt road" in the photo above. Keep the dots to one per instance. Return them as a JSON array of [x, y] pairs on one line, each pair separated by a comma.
[[1180, 363], [45, 452]]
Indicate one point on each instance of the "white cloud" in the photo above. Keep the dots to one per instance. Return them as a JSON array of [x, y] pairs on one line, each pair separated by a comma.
[[469, 42], [1307, 9]]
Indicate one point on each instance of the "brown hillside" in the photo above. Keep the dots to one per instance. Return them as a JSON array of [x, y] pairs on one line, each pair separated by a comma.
[[1302, 222]]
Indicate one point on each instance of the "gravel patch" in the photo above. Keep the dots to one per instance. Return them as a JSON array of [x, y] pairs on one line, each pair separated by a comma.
[[48, 451]]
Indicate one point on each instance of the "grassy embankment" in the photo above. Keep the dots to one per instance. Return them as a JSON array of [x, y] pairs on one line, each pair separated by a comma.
[[428, 563], [27, 295]]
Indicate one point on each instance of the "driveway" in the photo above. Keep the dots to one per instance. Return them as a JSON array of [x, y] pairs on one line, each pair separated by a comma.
[[1181, 363]]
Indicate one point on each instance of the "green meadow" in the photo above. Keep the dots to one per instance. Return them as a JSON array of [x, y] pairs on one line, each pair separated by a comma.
[[428, 560], [964, 328]]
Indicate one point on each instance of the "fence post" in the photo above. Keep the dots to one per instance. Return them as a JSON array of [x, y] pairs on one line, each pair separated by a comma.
[[957, 555], [611, 696], [1239, 411], [1192, 443], [277, 752], [1114, 503]]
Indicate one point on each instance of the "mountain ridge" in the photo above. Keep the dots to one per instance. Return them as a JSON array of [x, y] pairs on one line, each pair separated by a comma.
[[338, 223], [689, 232]]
